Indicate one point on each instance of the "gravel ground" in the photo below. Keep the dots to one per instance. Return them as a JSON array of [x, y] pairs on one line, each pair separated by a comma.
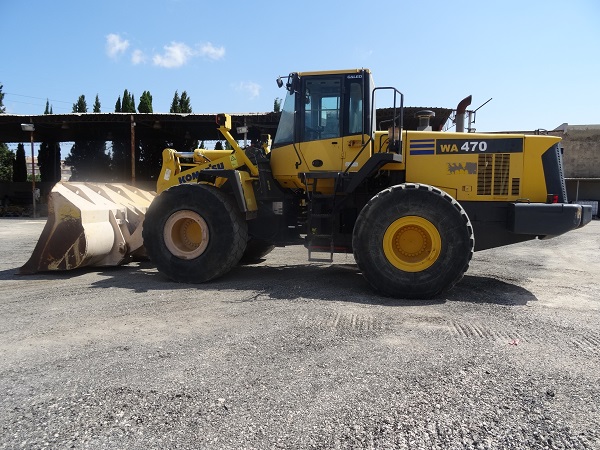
[[286, 354]]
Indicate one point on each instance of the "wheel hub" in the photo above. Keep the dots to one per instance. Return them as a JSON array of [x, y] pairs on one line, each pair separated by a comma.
[[186, 234], [412, 243]]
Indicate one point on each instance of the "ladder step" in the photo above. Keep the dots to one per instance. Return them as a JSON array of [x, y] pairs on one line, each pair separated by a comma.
[[318, 194], [325, 250], [321, 236], [325, 260]]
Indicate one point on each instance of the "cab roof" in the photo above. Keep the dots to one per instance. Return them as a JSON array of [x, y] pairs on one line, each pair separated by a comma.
[[332, 72]]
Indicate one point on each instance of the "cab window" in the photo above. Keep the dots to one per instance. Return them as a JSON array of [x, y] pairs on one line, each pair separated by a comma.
[[355, 109], [285, 129], [321, 109]]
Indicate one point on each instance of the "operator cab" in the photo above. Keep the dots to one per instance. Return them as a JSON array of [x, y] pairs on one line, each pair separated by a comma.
[[326, 120], [327, 104]]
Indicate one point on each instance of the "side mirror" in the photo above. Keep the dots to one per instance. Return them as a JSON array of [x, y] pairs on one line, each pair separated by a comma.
[[279, 82]]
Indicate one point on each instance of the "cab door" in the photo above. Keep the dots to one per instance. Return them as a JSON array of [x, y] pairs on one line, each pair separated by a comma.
[[320, 142], [356, 148]]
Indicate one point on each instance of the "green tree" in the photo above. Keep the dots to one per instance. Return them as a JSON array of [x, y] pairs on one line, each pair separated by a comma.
[[182, 105], [150, 148], [20, 165], [99, 153], [7, 161], [219, 145], [48, 109], [145, 105], [88, 159], [120, 161], [49, 157], [175, 104], [49, 162], [7, 158], [78, 158], [97, 105], [128, 102], [277, 105], [81, 105], [185, 105], [2, 108]]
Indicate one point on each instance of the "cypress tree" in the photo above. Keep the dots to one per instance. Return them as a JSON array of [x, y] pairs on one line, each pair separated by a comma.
[[175, 104], [7, 162], [20, 165], [150, 149], [88, 159], [49, 157], [81, 105], [145, 105], [97, 105], [7, 158], [182, 105], [2, 108], [185, 105], [120, 165], [128, 102]]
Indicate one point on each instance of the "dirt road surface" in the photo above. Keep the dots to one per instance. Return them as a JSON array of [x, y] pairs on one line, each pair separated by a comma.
[[287, 354]]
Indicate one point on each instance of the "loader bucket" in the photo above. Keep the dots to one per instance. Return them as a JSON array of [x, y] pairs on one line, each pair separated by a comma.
[[90, 224]]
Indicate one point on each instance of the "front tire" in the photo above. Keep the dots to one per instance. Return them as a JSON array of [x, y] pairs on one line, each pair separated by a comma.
[[194, 233], [413, 241]]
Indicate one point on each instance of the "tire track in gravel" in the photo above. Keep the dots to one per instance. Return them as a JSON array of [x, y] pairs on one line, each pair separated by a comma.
[[341, 321], [585, 341]]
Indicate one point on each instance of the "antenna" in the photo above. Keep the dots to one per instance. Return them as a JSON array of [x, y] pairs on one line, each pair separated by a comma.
[[473, 114]]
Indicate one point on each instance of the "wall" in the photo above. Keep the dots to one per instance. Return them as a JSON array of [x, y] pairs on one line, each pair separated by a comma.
[[582, 151]]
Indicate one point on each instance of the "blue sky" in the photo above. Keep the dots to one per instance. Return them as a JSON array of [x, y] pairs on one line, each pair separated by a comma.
[[539, 61]]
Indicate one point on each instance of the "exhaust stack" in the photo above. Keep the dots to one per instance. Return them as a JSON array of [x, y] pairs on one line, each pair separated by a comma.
[[460, 113]]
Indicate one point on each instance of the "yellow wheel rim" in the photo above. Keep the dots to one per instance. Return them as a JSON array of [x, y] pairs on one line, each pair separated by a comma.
[[412, 244], [186, 234]]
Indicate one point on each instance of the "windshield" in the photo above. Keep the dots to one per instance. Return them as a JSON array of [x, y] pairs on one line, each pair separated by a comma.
[[285, 130]]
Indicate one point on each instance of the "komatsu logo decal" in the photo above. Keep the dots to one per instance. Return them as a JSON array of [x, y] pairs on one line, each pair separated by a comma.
[[475, 146], [189, 177], [422, 147]]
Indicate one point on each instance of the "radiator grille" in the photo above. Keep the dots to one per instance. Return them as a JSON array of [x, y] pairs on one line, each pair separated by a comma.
[[516, 186], [493, 175], [484, 175], [501, 169]]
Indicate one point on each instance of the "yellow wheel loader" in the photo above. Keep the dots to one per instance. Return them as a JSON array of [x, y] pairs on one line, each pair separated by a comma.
[[412, 206]]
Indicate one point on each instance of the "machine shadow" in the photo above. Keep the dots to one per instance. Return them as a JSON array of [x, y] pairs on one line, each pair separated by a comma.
[[336, 282]]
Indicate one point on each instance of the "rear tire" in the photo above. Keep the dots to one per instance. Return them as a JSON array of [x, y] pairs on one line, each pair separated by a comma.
[[194, 233], [413, 241]]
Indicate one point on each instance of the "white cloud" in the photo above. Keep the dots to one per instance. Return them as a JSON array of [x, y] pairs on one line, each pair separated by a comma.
[[138, 57], [115, 45], [210, 51], [176, 54], [253, 89]]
